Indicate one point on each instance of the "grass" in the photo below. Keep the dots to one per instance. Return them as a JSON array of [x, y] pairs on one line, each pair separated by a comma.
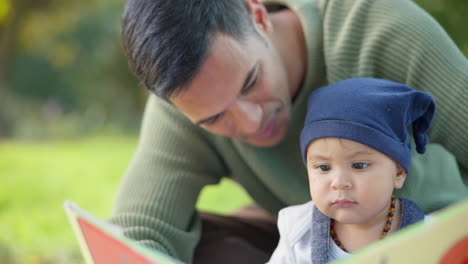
[[36, 177]]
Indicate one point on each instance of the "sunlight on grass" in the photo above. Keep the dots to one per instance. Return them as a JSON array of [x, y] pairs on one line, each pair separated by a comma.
[[37, 177], [223, 198]]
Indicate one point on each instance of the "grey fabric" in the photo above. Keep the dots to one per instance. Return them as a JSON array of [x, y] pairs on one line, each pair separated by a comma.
[[320, 237], [411, 213]]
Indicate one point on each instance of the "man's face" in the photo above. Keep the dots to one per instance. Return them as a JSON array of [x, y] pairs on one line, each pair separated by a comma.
[[241, 92]]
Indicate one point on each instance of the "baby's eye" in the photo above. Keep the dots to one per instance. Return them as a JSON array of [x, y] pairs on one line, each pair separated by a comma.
[[324, 167], [360, 165]]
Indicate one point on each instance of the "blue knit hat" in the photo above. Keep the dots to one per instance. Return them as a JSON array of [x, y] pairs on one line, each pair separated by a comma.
[[373, 112]]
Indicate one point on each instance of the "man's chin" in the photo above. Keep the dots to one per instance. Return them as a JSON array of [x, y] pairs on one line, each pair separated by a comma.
[[265, 142]]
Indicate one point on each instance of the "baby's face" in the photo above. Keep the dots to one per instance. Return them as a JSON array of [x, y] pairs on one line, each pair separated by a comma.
[[351, 182]]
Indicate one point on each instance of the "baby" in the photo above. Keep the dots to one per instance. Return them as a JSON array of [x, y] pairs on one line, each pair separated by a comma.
[[356, 147]]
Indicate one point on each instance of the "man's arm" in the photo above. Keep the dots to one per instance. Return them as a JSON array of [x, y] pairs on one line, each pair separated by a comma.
[[156, 200]]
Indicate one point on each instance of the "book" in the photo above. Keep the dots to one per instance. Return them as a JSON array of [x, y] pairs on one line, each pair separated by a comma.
[[103, 243], [442, 239]]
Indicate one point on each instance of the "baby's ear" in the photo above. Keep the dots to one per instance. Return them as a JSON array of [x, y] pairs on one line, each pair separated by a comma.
[[400, 177]]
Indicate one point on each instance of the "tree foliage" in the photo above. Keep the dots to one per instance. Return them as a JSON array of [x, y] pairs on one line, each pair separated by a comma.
[[65, 56], [59, 58]]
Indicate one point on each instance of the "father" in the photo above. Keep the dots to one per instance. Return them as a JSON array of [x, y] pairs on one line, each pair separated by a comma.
[[229, 82]]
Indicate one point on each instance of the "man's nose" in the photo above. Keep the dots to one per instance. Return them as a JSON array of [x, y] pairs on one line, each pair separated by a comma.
[[341, 180], [247, 117]]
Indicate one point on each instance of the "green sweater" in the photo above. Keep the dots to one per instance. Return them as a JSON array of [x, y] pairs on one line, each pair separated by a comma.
[[391, 39]]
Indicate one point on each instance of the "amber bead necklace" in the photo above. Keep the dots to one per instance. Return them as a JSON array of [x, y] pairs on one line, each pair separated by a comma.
[[387, 227]]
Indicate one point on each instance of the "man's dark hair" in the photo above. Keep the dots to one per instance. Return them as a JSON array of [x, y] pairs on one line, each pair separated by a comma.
[[167, 41]]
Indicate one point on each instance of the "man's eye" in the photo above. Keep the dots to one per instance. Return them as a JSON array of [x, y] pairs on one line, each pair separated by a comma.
[[324, 167], [249, 87], [213, 119], [360, 165]]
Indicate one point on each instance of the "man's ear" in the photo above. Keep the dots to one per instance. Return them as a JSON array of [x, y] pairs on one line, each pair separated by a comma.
[[259, 15], [400, 177]]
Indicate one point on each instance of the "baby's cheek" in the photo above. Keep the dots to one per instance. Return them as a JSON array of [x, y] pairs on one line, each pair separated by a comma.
[[314, 187]]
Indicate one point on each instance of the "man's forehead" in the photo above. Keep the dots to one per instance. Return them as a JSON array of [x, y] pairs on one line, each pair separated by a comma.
[[218, 82]]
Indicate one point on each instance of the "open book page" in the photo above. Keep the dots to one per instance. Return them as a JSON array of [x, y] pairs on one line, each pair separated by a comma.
[[104, 243]]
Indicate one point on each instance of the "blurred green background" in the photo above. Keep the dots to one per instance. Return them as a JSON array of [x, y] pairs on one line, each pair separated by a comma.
[[69, 117]]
